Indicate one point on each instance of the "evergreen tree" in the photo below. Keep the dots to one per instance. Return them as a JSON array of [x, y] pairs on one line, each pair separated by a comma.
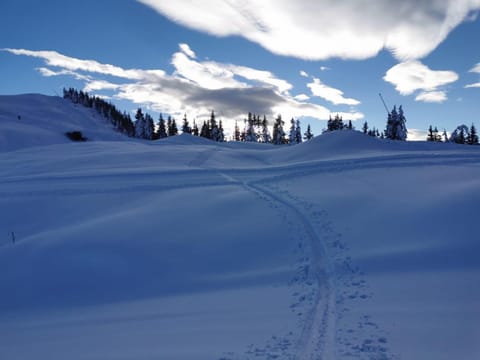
[[445, 136], [220, 134], [250, 134], [278, 137], [205, 131], [236, 133], [350, 125], [186, 126], [149, 129], [335, 124], [265, 133], [308, 134], [430, 136], [396, 128], [293, 133], [472, 138], [139, 124], [365, 128], [162, 128], [172, 127], [195, 129], [298, 132], [213, 127], [460, 134]]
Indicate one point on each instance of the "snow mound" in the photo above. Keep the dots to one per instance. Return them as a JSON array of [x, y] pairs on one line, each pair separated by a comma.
[[37, 120]]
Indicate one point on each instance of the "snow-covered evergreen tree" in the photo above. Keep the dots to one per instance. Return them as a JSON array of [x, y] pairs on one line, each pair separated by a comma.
[[149, 129], [298, 132], [172, 129], [250, 134], [195, 131], [220, 134], [186, 126], [308, 134], [265, 136], [236, 132], [278, 136], [161, 128], [459, 135], [396, 128], [472, 138], [139, 124]]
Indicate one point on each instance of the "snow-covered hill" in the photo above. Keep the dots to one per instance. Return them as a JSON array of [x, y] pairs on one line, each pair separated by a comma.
[[345, 247], [35, 120]]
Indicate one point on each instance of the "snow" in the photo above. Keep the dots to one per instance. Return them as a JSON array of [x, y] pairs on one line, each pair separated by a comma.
[[344, 247]]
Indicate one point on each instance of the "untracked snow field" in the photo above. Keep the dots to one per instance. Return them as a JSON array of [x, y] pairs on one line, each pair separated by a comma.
[[344, 247]]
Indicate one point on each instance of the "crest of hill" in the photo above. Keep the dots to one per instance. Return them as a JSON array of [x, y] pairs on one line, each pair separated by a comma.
[[31, 120]]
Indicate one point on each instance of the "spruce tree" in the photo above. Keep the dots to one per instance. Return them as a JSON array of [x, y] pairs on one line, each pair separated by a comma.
[[195, 128], [186, 126], [472, 138], [149, 127], [172, 128], [250, 134], [278, 137], [308, 134], [293, 133], [365, 127], [139, 124], [265, 133], [162, 129], [236, 133], [298, 132]]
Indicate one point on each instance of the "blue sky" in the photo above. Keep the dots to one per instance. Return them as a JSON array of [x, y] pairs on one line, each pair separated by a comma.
[[304, 59]]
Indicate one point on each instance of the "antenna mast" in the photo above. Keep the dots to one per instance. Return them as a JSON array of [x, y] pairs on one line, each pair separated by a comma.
[[383, 101]]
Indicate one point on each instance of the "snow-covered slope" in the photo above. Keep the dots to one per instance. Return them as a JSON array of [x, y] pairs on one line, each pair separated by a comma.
[[35, 120], [344, 247]]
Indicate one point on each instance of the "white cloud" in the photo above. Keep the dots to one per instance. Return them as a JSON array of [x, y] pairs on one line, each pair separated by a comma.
[[335, 96], [360, 29], [411, 76], [194, 87], [302, 97], [475, 69], [475, 85], [324, 68], [303, 73], [187, 51], [432, 96]]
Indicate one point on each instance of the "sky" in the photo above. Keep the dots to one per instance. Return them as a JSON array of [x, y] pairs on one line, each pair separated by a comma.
[[302, 59]]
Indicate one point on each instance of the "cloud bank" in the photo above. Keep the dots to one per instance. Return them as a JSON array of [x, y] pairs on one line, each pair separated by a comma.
[[475, 69], [194, 87], [317, 30]]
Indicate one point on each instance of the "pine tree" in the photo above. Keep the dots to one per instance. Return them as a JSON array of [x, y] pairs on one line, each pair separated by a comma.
[[139, 124], [220, 135], [445, 136], [293, 133], [204, 132], [195, 129], [365, 128], [186, 129], [298, 132], [213, 127], [430, 136], [460, 134], [162, 129], [265, 133], [396, 128], [149, 129], [172, 128], [472, 138], [250, 134], [350, 125], [278, 137], [308, 134], [236, 133]]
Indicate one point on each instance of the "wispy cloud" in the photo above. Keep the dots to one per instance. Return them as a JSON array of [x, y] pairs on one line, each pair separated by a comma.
[[307, 29], [303, 73], [194, 87], [335, 96], [411, 76], [475, 69]]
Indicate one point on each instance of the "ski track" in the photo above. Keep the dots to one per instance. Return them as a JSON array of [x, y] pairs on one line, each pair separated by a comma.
[[317, 339]]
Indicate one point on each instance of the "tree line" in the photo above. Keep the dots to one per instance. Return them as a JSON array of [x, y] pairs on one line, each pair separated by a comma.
[[255, 128]]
